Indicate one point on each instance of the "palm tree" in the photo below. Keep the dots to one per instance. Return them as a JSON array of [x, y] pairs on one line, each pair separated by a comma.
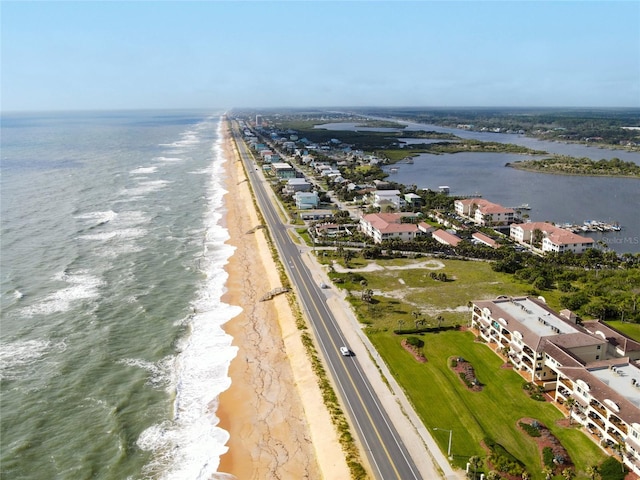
[[493, 475], [570, 403], [363, 284], [547, 472], [525, 475], [474, 461], [593, 472], [619, 448], [568, 474]]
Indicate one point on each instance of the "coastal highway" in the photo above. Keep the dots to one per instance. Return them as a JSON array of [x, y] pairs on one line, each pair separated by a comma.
[[385, 450]]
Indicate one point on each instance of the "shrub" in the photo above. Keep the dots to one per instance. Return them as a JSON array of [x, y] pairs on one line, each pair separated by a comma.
[[547, 457], [530, 429], [415, 342], [611, 469]]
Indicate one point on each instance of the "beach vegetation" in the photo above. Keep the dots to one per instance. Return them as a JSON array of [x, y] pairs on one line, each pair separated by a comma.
[[566, 165]]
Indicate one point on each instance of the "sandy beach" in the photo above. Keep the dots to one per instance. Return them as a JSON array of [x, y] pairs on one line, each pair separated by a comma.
[[273, 410]]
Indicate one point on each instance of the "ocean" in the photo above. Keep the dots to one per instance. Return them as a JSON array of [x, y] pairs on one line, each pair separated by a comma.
[[112, 255]]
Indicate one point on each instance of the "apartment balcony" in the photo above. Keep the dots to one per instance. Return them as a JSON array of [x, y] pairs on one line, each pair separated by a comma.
[[528, 351], [527, 362], [599, 408], [613, 433], [568, 384], [597, 420], [619, 424]]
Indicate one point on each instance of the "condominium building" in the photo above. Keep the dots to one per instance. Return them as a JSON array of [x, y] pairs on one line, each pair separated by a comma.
[[550, 237], [386, 226], [484, 212], [588, 361]]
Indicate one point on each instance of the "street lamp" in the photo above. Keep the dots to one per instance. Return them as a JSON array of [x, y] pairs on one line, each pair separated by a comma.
[[450, 434]]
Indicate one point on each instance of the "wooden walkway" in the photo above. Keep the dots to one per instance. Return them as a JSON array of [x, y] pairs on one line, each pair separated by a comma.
[[273, 293]]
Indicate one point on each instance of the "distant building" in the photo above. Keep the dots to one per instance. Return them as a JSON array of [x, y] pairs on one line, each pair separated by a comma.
[[485, 240], [552, 238], [296, 185], [258, 120], [306, 200], [283, 170], [383, 198], [386, 226], [446, 238], [484, 212], [413, 200]]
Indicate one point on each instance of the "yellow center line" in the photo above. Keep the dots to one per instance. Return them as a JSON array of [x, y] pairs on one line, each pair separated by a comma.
[[354, 387]]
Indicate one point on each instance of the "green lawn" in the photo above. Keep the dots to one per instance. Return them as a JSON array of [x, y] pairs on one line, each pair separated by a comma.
[[439, 396], [443, 401]]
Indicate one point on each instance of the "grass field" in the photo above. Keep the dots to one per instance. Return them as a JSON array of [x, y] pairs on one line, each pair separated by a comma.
[[444, 402], [438, 395]]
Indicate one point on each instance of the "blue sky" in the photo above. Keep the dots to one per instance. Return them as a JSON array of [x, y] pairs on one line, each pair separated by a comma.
[[128, 55]]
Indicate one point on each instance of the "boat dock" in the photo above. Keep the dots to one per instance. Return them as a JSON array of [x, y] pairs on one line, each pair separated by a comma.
[[592, 226]]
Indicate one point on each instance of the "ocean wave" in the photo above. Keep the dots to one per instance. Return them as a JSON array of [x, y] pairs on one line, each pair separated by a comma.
[[15, 357], [98, 218], [190, 445], [145, 187], [160, 373], [82, 286], [119, 234], [168, 159], [143, 170]]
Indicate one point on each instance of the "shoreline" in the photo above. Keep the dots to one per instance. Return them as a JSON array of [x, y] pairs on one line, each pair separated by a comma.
[[271, 408], [567, 174]]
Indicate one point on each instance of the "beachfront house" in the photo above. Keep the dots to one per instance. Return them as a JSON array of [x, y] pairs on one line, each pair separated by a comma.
[[587, 361]]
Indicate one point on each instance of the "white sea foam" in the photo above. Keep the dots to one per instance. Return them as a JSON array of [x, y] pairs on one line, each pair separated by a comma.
[[98, 218], [160, 373], [119, 234], [16, 356], [81, 286], [143, 170], [146, 186], [168, 159], [190, 445]]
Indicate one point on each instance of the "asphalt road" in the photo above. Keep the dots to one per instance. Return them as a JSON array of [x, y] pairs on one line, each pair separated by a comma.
[[387, 454]]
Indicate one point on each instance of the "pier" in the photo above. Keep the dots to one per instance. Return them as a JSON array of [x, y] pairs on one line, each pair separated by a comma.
[[592, 226]]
